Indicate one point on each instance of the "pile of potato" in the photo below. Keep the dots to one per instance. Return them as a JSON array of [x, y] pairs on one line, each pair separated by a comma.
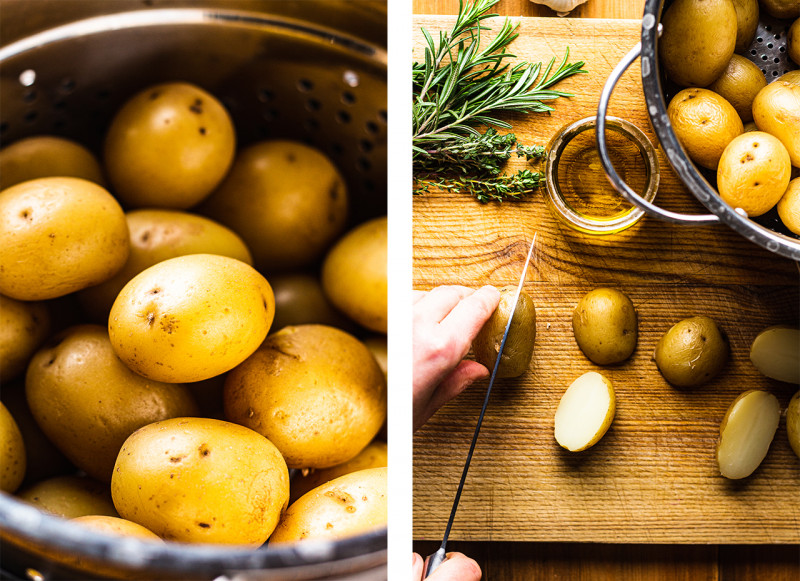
[[184, 323], [729, 118]]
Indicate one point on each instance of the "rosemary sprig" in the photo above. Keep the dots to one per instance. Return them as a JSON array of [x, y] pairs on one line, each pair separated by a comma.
[[458, 93]]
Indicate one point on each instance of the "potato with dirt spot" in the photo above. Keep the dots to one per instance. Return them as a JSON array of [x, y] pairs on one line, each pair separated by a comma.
[[315, 391], [605, 326], [521, 335], [191, 318], [88, 402], [24, 326], [59, 235], [349, 505], [12, 447], [692, 352], [200, 480]]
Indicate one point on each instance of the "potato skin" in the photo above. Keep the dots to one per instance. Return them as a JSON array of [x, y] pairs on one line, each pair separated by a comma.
[[299, 300], [793, 423], [155, 236], [201, 480], [316, 392], [698, 40], [776, 110], [12, 447], [521, 336], [190, 318], [349, 505], [23, 328], [746, 23], [70, 497], [605, 326], [169, 146], [116, 526], [59, 235], [739, 84], [88, 402], [354, 274], [286, 199], [691, 352], [46, 156]]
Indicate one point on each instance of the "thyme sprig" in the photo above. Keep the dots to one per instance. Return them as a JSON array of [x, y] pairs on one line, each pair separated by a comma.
[[460, 89]]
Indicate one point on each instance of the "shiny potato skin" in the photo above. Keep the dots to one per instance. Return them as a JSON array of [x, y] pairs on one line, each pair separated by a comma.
[[70, 496], [521, 336], [605, 326], [12, 447], [45, 156], [24, 326], [691, 352]]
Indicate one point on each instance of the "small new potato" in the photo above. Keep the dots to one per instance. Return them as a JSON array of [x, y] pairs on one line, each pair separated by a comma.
[[88, 402], [314, 391], [746, 23], [169, 146], [692, 352], [116, 526], [190, 318], [704, 123], [23, 328], [373, 456], [753, 172], [299, 300], [344, 507], [286, 199], [70, 497], [776, 110], [605, 326], [354, 275], [793, 42], [698, 40], [12, 448], [781, 8], [199, 480], [739, 84], [521, 335], [47, 156], [155, 236], [746, 433], [585, 412], [775, 352], [59, 235], [793, 423]]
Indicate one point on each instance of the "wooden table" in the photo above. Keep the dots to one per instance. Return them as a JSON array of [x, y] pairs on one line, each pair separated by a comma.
[[646, 503]]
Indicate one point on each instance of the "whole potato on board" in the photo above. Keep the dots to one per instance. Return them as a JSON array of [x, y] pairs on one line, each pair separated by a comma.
[[169, 146], [59, 235], [605, 326], [200, 480], [190, 318], [521, 335], [346, 506], [355, 277], [88, 402], [315, 391], [691, 352], [285, 199]]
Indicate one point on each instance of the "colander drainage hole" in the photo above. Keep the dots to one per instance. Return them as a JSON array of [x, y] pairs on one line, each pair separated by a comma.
[[343, 117], [372, 127], [348, 98], [313, 105], [305, 85]]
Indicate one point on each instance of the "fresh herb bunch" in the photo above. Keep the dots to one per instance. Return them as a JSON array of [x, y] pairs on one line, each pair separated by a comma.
[[458, 92]]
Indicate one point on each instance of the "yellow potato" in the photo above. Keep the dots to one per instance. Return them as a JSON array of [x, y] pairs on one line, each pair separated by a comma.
[[299, 300], [776, 110], [59, 235], [739, 84], [377, 344], [316, 392], [286, 199], [12, 448], [373, 456], [521, 335], [793, 41], [88, 402], [169, 146], [746, 23], [116, 526], [781, 8], [190, 318], [155, 236], [704, 123], [349, 505], [47, 156], [753, 172], [201, 480], [70, 497], [692, 352], [698, 40], [789, 206], [793, 423], [605, 326], [354, 275], [23, 327]]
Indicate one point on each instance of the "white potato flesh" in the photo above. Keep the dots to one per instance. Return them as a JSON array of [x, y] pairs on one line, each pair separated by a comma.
[[746, 433], [775, 352], [585, 412]]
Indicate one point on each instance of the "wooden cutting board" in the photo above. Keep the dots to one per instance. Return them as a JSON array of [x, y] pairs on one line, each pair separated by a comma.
[[653, 478]]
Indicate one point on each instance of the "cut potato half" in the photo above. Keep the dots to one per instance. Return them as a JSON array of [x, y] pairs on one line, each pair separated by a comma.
[[585, 412], [775, 352], [746, 433]]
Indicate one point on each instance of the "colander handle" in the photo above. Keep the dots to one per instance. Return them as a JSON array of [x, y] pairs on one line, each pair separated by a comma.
[[616, 181]]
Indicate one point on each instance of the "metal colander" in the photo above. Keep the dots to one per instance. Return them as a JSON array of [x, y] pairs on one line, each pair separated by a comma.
[[280, 77]]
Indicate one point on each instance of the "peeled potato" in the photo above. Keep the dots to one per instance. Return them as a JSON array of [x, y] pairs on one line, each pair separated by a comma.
[[585, 412], [746, 433], [775, 352]]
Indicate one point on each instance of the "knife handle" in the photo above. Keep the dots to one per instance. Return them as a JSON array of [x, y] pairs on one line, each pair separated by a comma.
[[434, 561]]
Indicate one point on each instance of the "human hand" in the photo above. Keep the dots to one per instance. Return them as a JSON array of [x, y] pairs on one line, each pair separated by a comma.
[[446, 320], [456, 567]]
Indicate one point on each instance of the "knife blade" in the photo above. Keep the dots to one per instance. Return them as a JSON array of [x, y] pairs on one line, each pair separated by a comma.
[[438, 557]]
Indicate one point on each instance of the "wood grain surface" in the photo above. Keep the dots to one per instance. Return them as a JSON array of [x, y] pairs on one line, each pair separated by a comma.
[[653, 478], [589, 9]]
